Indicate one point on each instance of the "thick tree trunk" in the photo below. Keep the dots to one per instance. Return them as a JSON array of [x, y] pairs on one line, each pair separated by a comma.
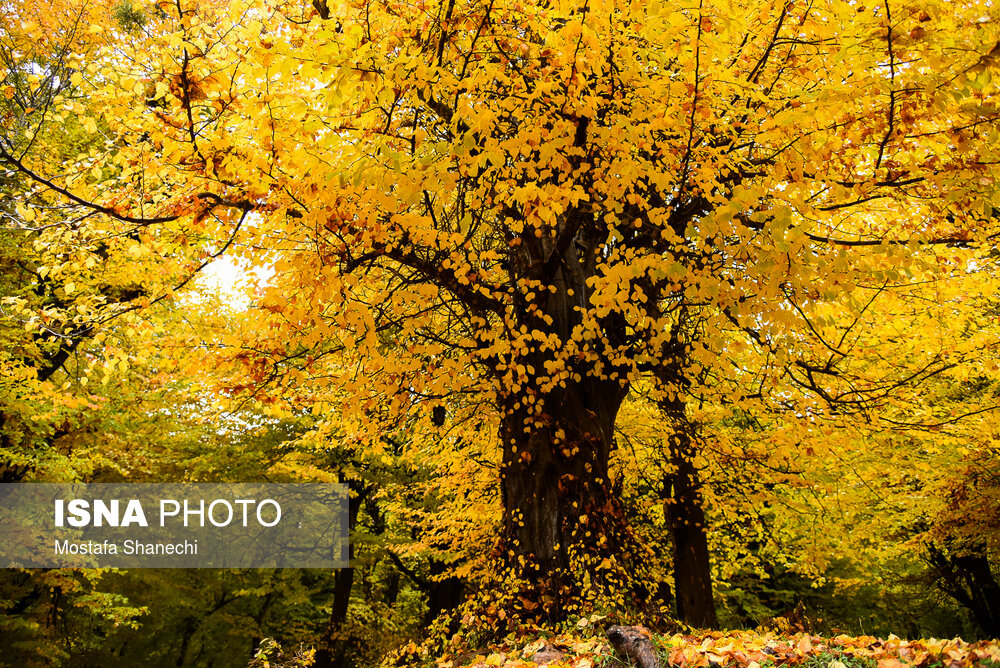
[[985, 592], [562, 520], [968, 578], [566, 541], [555, 474]]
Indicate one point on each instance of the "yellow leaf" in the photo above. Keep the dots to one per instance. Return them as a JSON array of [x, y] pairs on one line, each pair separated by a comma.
[[27, 213]]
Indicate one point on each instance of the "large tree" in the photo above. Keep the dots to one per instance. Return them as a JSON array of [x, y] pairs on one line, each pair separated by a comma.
[[501, 217]]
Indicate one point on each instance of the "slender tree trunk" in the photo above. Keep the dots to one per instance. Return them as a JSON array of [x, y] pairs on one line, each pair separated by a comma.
[[443, 595], [190, 625], [331, 652], [686, 518], [685, 515]]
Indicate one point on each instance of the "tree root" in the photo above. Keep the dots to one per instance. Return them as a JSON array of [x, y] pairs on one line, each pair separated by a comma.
[[633, 642]]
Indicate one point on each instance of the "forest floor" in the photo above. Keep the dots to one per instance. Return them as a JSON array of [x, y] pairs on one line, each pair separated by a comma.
[[742, 649]]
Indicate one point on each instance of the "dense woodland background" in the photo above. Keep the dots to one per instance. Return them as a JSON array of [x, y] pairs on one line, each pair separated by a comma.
[[673, 314]]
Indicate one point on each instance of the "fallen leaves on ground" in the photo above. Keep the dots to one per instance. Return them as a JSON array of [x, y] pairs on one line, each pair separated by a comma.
[[745, 649]]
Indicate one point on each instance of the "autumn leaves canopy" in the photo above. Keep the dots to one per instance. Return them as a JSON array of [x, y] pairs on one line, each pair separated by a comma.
[[493, 224]]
